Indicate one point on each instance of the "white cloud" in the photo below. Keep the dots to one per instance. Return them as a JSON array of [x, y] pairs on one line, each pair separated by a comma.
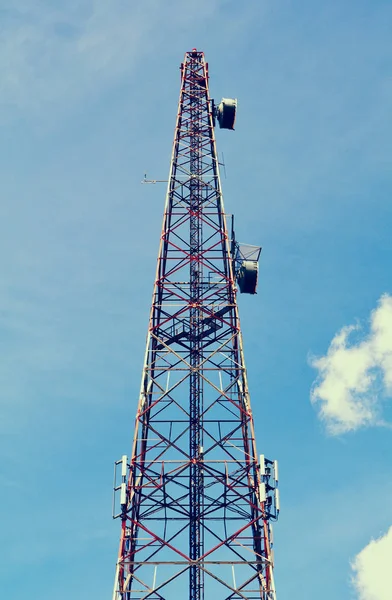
[[372, 571], [355, 377]]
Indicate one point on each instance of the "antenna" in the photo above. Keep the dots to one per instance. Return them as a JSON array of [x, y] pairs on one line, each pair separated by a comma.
[[145, 180], [222, 164]]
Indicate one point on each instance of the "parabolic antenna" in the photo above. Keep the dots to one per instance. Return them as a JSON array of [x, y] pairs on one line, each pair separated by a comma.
[[226, 113]]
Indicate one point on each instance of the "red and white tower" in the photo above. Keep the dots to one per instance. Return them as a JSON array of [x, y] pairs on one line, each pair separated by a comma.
[[194, 498]]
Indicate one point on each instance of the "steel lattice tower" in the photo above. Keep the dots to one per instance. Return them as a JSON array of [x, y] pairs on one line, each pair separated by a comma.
[[194, 498]]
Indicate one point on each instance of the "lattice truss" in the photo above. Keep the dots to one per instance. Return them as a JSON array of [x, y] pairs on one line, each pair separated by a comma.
[[196, 501]]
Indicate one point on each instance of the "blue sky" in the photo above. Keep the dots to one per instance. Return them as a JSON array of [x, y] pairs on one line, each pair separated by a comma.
[[88, 97]]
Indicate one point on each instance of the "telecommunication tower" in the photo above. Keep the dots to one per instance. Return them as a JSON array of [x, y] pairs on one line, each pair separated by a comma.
[[194, 498]]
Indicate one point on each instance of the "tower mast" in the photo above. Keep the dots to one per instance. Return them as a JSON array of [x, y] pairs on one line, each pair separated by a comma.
[[194, 498]]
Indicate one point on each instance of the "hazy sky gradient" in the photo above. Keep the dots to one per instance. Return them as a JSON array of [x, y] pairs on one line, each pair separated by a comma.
[[88, 94]]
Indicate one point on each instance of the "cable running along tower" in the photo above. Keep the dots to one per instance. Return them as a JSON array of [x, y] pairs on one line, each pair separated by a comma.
[[194, 498]]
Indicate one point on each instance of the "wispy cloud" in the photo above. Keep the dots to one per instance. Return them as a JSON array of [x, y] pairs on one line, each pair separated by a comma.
[[61, 52], [56, 54], [356, 374], [371, 568]]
